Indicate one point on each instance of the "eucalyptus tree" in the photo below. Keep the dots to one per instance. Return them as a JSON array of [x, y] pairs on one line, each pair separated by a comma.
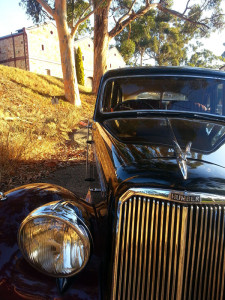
[[112, 16], [68, 16], [205, 58], [155, 36]]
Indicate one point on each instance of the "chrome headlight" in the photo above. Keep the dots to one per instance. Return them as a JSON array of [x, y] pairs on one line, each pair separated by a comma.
[[55, 240]]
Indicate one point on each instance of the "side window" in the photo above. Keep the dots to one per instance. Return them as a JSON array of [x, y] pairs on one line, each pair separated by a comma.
[[216, 99], [112, 96], [219, 105], [116, 95]]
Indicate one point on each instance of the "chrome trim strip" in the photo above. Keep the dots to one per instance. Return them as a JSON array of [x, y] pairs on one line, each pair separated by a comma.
[[162, 194], [150, 250], [208, 255], [136, 249], [216, 248], [223, 264], [198, 254], [117, 240], [221, 252], [100, 172], [145, 249], [181, 253], [123, 243], [192, 257], [206, 212], [142, 223], [155, 240], [168, 250], [170, 254], [2, 197], [127, 247], [133, 203], [212, 258], [165, 249]]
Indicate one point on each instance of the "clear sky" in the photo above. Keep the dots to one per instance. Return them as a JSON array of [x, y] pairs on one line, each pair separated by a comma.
[[13, 17]]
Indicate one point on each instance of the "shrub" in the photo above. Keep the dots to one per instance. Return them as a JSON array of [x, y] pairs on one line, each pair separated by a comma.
[[79, 67]]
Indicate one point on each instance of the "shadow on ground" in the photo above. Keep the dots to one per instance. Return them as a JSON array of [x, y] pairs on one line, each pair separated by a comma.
[[71, 178]]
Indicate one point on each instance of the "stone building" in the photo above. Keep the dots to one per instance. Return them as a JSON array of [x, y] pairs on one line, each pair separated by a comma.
[[36, 49], [114, 58]]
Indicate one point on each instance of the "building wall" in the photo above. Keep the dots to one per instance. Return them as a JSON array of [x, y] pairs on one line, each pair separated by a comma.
[[13, 50], [114, 58], [43, 48], [37, 49]]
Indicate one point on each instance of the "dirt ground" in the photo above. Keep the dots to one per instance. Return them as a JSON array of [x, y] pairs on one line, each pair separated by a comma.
[[69, 174], [71, 178]]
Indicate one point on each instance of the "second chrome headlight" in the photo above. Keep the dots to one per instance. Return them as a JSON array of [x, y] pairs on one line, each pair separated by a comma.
[[55, 240]]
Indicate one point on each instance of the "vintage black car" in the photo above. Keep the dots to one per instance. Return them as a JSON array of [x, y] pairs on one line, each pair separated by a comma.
[[156, 228]]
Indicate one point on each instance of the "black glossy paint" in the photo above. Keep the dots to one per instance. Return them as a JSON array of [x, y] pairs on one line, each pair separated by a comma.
[[144, 159], [18, 280], [153, 163]]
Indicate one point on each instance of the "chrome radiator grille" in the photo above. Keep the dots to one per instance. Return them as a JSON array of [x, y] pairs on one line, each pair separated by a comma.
[[167, 250]]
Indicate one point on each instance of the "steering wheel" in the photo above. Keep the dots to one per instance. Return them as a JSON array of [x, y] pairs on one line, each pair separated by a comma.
[[133, 105], [122, 106]]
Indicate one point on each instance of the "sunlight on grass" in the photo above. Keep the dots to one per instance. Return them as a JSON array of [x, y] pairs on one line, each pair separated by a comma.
[[31, 127]]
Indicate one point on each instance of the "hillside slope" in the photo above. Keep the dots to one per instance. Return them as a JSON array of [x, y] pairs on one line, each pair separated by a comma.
[[34, 132]]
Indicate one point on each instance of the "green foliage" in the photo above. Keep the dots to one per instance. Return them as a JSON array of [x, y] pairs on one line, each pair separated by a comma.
[[75, 9], [34, 10], [79, 67], [156, 36], [127, 50], [205, 59]]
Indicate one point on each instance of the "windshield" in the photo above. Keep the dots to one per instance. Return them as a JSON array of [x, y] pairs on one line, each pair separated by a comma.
[[205, 95]]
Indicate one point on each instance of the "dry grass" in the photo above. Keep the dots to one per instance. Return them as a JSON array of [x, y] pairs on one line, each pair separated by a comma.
[[32, 129]]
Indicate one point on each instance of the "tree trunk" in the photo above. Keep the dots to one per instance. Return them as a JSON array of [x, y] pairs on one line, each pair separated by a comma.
[[141, 57], [67, 56], [101, 43]]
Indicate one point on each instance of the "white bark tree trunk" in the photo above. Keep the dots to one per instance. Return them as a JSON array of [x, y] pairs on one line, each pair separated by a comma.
[[67, 54], [68, 67]]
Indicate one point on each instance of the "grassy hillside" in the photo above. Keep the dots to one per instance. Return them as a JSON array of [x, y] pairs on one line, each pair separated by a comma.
[[33, 131]]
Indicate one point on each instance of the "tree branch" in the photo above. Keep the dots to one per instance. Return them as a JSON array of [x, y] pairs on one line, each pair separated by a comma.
[[81, 20], [45, 5], [128, 13], [180, 15], [186, 8], [121, 24]]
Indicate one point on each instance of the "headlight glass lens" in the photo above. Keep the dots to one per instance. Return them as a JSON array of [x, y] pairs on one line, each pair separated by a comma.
[[53, 245]]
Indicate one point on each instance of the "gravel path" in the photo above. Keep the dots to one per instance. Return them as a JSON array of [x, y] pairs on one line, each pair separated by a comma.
[[71, 178]]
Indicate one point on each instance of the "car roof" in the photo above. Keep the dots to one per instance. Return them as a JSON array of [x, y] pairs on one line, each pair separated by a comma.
[[144, 71]]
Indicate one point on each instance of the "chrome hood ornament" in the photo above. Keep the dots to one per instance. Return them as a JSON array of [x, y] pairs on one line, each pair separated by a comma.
[[181, 155]]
